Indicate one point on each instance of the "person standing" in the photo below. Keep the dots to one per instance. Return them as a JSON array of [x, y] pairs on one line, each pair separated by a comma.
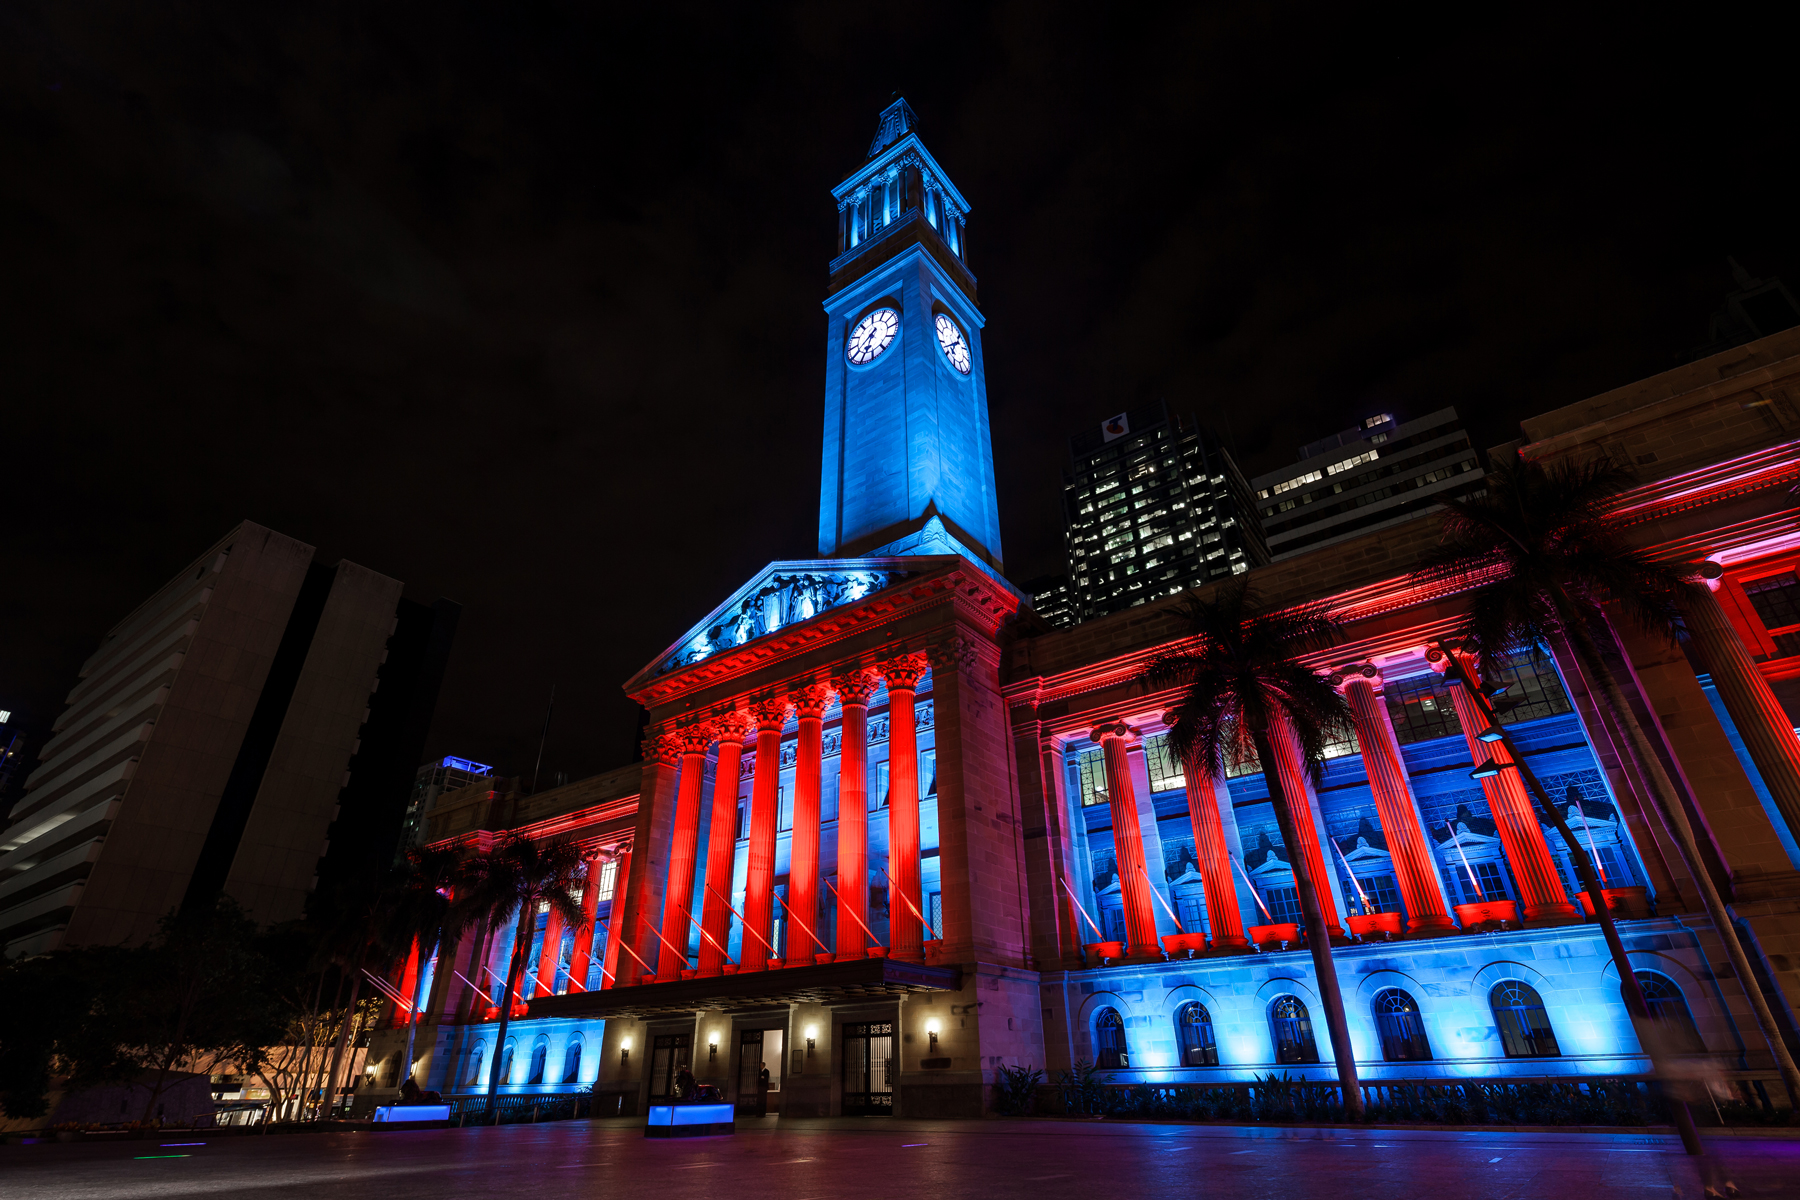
[[762, 1090]]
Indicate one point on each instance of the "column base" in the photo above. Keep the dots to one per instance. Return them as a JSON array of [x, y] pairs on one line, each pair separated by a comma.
[[1432, 928], [1140, 958], [1552, 919], [1239, 945], [905, 955]]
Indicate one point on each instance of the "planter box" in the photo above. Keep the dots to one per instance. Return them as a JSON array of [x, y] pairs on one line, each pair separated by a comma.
[[1282, 934], [1099, 952], [1374, 927], [1184, 945], [1625, 904], [1488, 916]]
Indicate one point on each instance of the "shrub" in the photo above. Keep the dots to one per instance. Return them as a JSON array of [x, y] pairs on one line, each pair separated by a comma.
[[1015, 1088]]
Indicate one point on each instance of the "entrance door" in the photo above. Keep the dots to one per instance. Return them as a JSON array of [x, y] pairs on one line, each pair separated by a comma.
[[869, 1069], [757, 1048], [668, 1054]]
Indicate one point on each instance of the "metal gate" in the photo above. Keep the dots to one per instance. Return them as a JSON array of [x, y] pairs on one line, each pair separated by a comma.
[[869, 1069]]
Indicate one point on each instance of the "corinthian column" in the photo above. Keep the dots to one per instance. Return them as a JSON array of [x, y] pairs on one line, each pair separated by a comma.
[[765, 805], [1767, 732], [1542, 899], [1216, 875], [678, 897], [581, 953], [721, 843], [1128, 840], [803, 870], [854, 691], [1395, 807], [906, 933]]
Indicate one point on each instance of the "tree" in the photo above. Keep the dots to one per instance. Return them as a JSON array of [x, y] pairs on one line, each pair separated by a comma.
[[1550, 563], [506, 885], [352, 943], [418, 913], [55, 1024], [1241, 681]]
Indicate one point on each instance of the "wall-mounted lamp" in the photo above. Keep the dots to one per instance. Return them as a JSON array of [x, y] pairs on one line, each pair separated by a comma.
[[712, 1047], [1486, 770], [1492, 733], [812, 1034], [931, 1031], [624, 1050]]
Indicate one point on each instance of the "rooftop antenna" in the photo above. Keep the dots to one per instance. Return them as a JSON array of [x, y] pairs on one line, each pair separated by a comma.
[[542, 738]]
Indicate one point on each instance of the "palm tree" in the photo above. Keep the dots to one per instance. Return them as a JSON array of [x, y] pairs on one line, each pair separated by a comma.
[[1549, 562], [418, 912], [507, 884], [350, 943], [1241, 682]]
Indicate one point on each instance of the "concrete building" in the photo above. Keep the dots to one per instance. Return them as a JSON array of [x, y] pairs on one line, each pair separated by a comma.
[[434, 779], [1153, 505], [892, 833], [1052, 599], [1373, 476], [210, 742]]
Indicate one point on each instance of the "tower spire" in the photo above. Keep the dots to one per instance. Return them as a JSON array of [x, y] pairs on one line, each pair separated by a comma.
[[897, 120]]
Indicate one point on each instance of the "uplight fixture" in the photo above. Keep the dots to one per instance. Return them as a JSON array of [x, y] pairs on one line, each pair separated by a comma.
[[1486, 770], [1492, 733]]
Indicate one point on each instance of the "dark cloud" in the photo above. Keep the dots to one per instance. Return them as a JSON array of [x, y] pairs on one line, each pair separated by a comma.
[[519, 303]]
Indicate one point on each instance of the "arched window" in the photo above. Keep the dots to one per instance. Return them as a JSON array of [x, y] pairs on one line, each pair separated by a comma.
[[1668, 1008], [1524, 1025], [572, 1061], [506, 1061], [1401, 1029], [475, 1057], [1193, 1029], [540, 1054], [1109, 1040], [1290, 1027]]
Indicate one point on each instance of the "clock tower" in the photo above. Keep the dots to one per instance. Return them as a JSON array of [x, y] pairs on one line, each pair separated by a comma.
[[908, 466]]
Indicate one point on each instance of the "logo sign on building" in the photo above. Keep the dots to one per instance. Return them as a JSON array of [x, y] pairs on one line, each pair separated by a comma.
[[1115, 427]]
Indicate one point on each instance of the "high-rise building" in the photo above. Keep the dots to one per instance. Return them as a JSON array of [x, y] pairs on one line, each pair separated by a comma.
[[211, 741], [1153, 505], [1754, 309], [1378, 473], [1052, 599], [447, 774]]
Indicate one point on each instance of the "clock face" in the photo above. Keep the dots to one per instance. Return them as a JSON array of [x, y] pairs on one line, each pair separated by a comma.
[[873, 334], [956, 347]]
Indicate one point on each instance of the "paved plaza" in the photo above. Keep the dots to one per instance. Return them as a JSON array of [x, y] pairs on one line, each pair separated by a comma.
[[897, 1160]]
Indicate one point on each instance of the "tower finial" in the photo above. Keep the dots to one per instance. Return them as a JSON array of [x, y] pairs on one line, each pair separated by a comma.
[[896, 119]]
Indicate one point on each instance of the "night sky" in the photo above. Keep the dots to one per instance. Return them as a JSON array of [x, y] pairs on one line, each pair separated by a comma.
[[520, 303]]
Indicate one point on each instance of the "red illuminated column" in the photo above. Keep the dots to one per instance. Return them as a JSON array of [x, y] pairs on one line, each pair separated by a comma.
[[581, 954], [408, 983], [1295, 783], [609, 965], [1542, 899], [1116, 741], [854, 692], [1414, 868], [906, 933], [548, 954], [721, 843], [1767, 732], [684, 846], [1216, 874], [809, 704], [765, 804]]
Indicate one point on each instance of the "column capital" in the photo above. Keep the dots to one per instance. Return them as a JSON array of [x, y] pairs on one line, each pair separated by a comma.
[[1369, 673], [735, 725], [695, 738], [904, 671], [1113, 729], [770, 714], [661, 746], [856, 687], [810, 700]]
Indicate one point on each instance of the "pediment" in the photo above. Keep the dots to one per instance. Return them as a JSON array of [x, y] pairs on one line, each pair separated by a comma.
[[781, 595]]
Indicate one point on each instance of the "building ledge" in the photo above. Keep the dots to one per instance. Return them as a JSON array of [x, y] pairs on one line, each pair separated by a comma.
[[830, 983]]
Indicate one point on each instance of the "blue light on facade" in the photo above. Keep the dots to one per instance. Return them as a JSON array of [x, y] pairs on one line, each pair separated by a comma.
[[463, 764]]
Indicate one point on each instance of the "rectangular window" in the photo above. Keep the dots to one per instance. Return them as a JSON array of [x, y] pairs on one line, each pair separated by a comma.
[[1193, 913], [785, 809], [1616, 867], [927, 774], [1776, 599], [1420, 709], [935, 911], [1090, 768], [609, 878], [1284, 904], [1165, 774], [1532, 681], [878, 791], [1381, 892], [743, 822], [1487, 874]]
